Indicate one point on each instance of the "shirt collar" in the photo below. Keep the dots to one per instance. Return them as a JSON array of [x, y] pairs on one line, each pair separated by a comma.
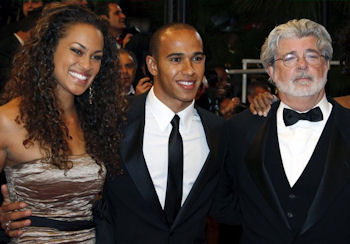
[[131, 91], [163, 114], [325, 106]]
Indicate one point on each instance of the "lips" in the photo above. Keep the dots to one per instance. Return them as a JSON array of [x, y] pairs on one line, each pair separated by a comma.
[[78, 75], [186, 84]]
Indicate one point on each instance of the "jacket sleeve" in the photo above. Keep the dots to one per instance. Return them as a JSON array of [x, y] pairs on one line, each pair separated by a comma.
[[105, 228], [225, 208]]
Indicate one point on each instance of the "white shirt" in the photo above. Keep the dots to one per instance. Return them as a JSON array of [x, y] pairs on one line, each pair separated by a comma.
[[297, 142], [155, 144]]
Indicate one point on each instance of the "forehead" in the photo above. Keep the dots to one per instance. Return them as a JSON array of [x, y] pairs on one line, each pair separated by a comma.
[[33, 1], [221, 72], [180, 40], [83, 33], [114, 7], [125, 58], [298, 45]]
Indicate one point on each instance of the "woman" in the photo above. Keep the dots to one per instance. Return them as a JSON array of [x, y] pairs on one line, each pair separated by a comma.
[[60, 128]]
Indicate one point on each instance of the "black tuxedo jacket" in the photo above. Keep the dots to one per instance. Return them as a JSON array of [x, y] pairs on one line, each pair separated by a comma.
[[130, 211], [247, 194]]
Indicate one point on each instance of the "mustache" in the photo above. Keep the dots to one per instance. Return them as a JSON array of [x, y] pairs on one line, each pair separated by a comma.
[[303, 76]]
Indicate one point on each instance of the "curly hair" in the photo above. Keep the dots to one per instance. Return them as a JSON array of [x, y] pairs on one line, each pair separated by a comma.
[[32, 79]]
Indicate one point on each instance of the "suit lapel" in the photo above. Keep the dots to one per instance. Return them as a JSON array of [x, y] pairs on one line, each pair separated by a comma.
[[132, 155], [256, 166], [209, 168], [335, 176]]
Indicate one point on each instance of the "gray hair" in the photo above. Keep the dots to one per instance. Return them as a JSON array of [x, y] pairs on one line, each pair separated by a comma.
[[295, 29]]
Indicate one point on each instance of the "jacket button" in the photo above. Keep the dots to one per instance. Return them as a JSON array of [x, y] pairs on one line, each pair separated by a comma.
[[292, 196], [290, 215]]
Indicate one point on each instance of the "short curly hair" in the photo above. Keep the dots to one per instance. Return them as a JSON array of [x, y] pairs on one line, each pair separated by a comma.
[[32, 79]]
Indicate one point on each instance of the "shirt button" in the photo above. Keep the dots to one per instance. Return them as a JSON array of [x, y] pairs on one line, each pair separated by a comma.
[[292, 196], [290, 215]]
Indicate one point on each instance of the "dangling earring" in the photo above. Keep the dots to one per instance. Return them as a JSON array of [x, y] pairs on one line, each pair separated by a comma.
[[90, 95]]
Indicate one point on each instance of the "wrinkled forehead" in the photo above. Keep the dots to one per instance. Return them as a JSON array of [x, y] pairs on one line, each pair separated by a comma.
[[297, 45]]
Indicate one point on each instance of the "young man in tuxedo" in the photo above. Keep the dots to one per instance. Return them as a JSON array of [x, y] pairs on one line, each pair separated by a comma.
[[138, 205], [288, 177]]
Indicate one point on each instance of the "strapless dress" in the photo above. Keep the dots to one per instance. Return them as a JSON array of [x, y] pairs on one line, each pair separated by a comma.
[[61, 201]]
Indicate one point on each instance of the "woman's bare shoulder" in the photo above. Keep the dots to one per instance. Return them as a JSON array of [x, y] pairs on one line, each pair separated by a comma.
[[9, 112]]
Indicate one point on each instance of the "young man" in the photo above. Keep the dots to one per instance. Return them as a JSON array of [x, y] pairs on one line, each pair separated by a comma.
[[139, 209], [289, 172]]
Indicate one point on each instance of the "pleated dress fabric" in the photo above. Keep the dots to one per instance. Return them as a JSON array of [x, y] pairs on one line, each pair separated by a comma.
[[65, 195]]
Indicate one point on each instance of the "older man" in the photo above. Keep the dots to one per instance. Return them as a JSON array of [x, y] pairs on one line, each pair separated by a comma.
[[128, 66], [290, 172]]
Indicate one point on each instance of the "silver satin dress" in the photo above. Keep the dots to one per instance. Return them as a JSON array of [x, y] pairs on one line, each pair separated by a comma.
[[56, 194]]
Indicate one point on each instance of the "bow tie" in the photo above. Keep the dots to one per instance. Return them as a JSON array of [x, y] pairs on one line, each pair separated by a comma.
[[290, 117]]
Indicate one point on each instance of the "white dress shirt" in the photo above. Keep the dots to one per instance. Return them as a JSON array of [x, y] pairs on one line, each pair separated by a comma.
[[297, 142], [155, 144]]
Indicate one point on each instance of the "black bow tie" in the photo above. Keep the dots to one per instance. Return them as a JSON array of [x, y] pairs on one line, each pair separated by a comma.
[[290, 117]]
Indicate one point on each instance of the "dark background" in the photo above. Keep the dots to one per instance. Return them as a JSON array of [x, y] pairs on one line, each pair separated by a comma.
[[234, 29]]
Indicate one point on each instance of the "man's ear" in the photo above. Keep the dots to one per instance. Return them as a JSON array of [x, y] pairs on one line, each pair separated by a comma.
[[152, 65], [270, 70], [328, 64]]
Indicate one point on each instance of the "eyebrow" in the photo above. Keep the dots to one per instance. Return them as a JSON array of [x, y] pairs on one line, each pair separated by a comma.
[[182, 54], [306, 50], [311, 50], [83, 47]]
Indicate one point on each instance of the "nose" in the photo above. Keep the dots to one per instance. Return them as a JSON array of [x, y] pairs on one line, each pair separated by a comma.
[[188, 67], [123, 69], [302, 64], [85, 62]]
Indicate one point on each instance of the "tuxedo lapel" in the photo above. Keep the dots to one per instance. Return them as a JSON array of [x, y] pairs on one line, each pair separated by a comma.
[[335, 176], [209, 169], [133, 158], [256, 166]]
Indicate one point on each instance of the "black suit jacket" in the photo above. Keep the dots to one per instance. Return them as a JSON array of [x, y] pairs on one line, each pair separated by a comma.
[[131, 212], [247, 194]]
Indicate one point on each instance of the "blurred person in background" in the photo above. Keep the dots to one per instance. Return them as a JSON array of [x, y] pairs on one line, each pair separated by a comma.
[[128, 67], [25, 7], [113, 13], [11, 44], [215, 97]]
